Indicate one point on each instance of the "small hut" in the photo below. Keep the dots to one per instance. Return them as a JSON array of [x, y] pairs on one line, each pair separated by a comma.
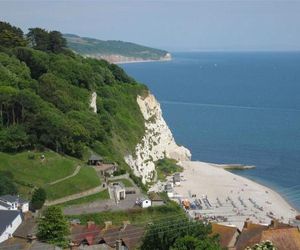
[[95, 160]]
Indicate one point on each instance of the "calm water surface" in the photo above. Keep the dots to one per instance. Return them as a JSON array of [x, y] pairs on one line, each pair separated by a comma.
[[234, 108]]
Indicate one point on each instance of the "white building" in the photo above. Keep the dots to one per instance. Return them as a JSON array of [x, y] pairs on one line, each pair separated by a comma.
[[9, 222], [169, 190], [12, 202], [119, 191], [143, 202]]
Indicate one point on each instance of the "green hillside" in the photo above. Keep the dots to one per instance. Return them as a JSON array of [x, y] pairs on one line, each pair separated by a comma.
[[90, 46], [29, 170], [45, 93]]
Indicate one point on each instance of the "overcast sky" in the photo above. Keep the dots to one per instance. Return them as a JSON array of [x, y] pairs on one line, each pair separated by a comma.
[[173, 25]]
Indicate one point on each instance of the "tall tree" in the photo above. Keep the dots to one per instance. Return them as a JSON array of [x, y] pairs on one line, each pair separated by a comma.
[[38, 38], [11, 36], [53, 227], [56, 42], [38, 198]]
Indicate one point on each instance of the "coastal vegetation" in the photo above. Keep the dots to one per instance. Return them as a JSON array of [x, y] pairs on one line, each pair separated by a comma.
[[166, 167], [53, 228], [38, 198], [7, 185], [98, 48], [141, 216], [103, 195], [47, 126], [179, 234]]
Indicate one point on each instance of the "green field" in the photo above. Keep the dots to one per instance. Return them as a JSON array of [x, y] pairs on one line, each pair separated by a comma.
[[84, 180], [29, 171], [104, 195], [126, 182], [135, 216], [35, 171]]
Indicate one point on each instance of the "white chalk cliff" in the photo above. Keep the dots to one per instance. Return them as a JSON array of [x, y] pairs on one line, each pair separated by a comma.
[[93, 102], [157, 143]]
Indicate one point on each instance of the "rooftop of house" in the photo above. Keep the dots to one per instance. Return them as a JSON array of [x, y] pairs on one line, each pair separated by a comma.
[[21, 244], [118, 185], [226, 233], [4, 204], [176, 177], [155, 196], [6, 218], [12, 198], [105, 166], [113, 233], [283, 238], [95, 157], [28, 227], [89, 233], [252, 233]]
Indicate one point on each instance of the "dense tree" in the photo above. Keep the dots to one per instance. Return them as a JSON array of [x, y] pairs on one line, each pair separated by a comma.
[[13, 139], [41, 39], [53, 227], [11, 36], [38, 198], [37, 61], [45, 96], [178, 233], [38, 38], [7, 185], [56, 42]]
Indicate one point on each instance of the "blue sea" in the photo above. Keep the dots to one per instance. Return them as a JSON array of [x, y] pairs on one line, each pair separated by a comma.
[[234, 108]]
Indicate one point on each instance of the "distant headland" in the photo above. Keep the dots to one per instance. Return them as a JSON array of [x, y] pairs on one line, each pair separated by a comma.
[[115, 51]]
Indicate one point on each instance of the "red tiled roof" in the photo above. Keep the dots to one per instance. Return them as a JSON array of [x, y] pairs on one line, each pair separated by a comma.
[[82, 233], [226, 233], [283, 238]]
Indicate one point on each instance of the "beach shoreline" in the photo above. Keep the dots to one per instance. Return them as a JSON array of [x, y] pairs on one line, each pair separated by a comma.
[[232, 198]]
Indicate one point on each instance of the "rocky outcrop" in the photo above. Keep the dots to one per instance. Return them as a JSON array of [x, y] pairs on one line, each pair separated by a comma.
[[157, 143], [93, 102]]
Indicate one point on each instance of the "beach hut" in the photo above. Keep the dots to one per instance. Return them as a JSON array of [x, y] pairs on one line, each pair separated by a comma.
[[176, 179]]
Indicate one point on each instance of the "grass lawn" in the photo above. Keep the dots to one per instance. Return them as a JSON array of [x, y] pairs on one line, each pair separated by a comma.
[[35, 171], [166, 167], [104, 195], [126, 182], [135, 216], [85, 179]]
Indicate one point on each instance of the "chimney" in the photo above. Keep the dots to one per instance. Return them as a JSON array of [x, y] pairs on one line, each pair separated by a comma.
[[125, 223], [107, 224], [274, 223], [90, 223], [247, 223], [118, 244]]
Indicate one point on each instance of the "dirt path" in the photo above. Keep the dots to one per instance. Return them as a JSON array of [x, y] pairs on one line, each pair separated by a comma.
[[75, 196], [76, 171]]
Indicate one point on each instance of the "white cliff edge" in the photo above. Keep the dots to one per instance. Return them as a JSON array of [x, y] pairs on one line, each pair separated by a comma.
[[93, 102], [157, 143]]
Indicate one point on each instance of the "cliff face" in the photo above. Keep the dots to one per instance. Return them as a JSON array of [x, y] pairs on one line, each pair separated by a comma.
[[157, 143], [93, 102], [116, 58]]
